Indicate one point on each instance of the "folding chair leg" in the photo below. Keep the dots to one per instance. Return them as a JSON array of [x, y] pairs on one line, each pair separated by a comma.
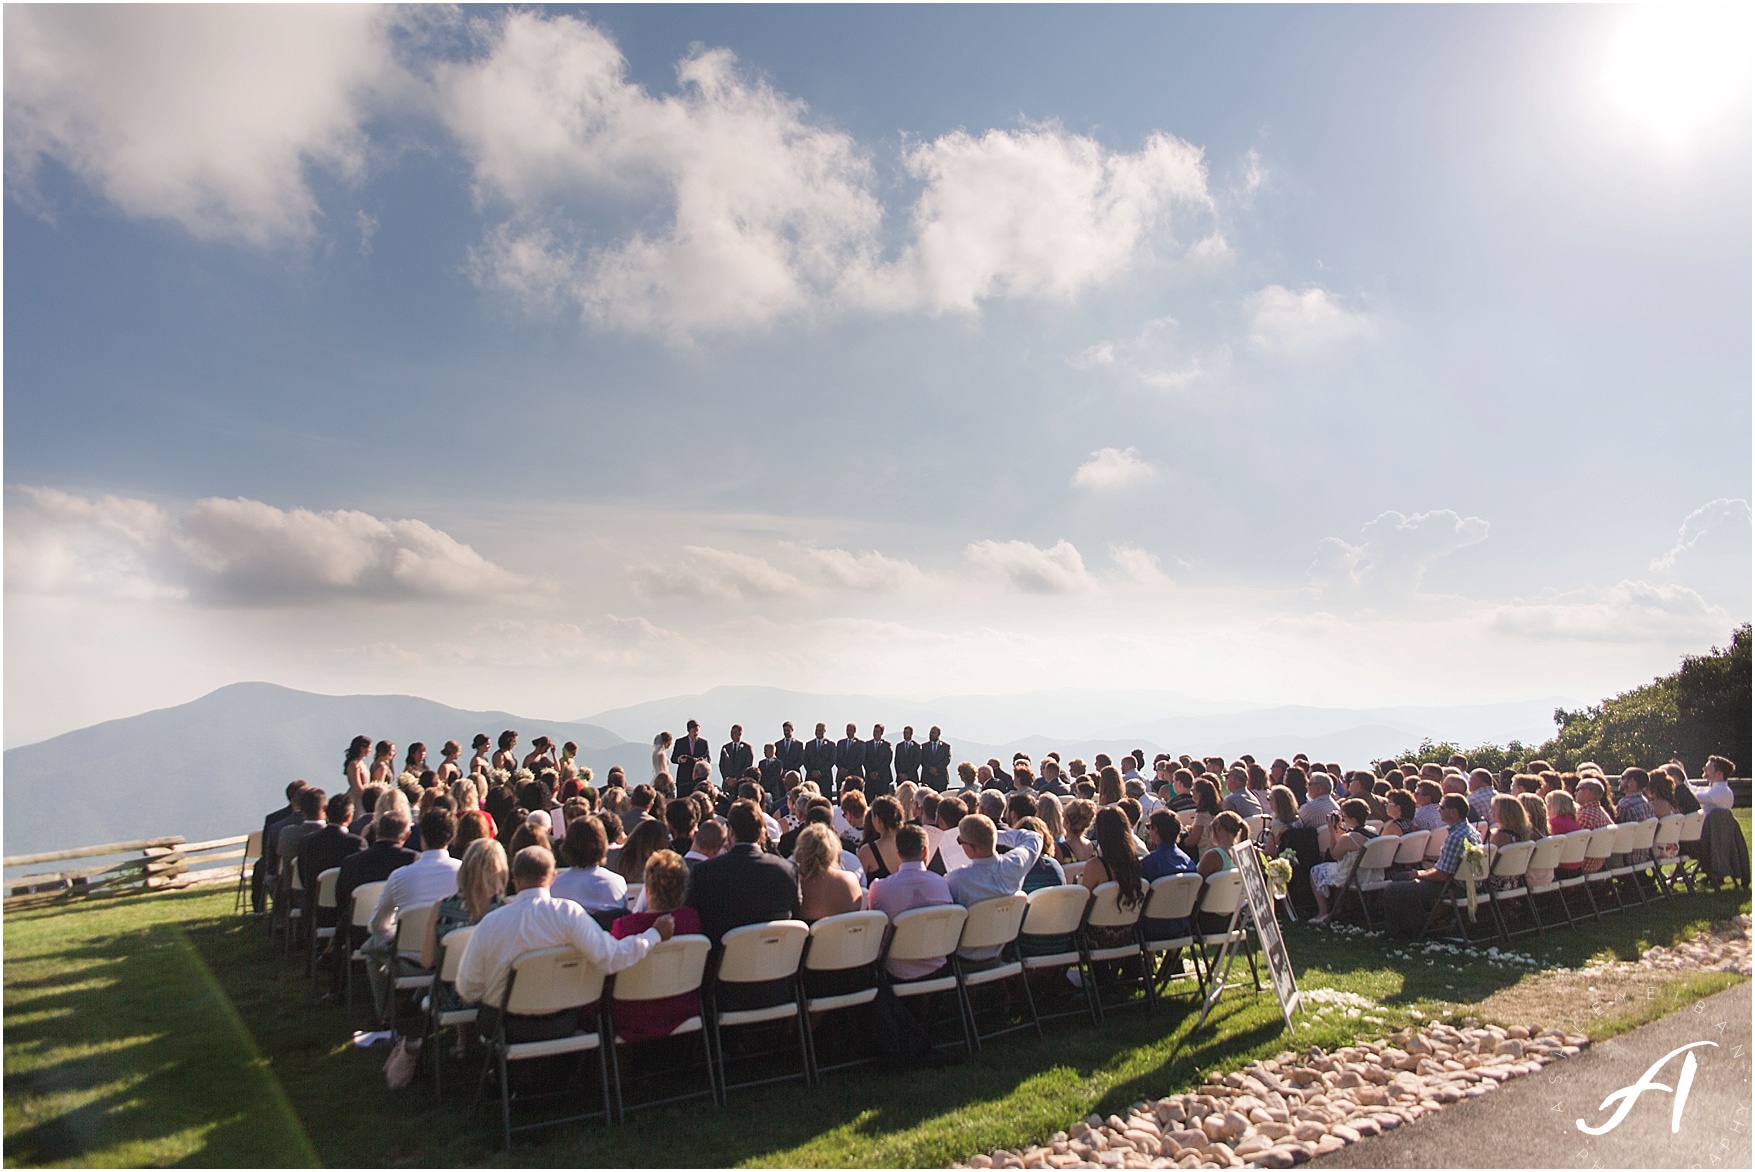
[[610, 1115], [1030, 1001], [1541, 928], [806, 1043], [505, 1097]]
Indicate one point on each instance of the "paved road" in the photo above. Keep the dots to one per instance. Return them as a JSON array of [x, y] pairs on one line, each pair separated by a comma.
[[1530, 1121]]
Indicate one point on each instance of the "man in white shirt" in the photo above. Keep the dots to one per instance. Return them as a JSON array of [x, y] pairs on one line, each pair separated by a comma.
[[535, 919], [988, 875], [1717, 793], [427, 880]]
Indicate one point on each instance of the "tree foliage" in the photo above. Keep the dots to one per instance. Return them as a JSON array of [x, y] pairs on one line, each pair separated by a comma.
[[1700, 709]]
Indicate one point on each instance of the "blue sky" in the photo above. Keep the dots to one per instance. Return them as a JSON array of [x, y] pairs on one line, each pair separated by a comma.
[[554, 359]]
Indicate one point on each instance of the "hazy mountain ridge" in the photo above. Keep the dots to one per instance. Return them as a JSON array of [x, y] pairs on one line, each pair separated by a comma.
[[215, 765]]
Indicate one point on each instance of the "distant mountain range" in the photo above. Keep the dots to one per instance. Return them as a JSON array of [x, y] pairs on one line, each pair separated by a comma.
[[215, 765]]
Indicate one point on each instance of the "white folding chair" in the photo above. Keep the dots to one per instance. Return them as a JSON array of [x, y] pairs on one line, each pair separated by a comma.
[[753, 953], [1510, 865], [1172, 898], [411, 934], [1568, 867], [1107, 915], [671, 969], [1666, 848], [1049, 938], [994, 923], [1603, 840], [295, 908], [1546, 857], [364, 902], [1639, 843], [325, 903], [1379, 853], [1692, 830], [1072, 871], [545, 982], [1220, 897], [845, 943], [925, 934], [252, 855], [440, 1019], [1412, 851], [1254, 825]]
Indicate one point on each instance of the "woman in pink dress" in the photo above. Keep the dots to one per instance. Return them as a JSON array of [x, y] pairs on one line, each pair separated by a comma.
[[667, 878]]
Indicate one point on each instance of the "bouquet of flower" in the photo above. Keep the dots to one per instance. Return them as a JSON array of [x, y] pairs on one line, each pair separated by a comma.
[[1279, 871], [1472, 869]]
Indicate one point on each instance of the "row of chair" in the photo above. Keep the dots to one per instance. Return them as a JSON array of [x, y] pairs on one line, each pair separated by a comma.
[[1562, 857], [1064, 927]]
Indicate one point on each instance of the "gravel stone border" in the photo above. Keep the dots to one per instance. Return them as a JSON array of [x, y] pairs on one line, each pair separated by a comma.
[[1291, 1108]]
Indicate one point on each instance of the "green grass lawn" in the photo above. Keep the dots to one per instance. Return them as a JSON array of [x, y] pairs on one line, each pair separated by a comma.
[[165, 1030]]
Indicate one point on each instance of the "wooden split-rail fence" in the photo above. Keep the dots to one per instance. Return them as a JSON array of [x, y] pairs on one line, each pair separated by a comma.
[[156, 864]]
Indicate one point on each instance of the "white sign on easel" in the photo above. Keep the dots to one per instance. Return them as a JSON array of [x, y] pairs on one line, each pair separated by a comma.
[[1258, 902]]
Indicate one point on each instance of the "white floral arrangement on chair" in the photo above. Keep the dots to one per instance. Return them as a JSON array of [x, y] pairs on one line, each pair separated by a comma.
[[1471, 870], [1279, 871]]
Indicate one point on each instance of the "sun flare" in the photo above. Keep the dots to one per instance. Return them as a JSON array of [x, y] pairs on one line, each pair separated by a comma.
[[1673, 67]]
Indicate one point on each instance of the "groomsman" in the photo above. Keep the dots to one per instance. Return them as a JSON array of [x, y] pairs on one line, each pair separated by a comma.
[[819, 758], [908, 756], [734, 757], [790, 750], [772, 772], [878, 755], [688, 750], [849, 757], [935, 761]]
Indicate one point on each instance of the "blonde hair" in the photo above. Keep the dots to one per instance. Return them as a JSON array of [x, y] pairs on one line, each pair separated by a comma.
[[482, 877], [817, 851], [1536, 812], [1509, 816], [667, 879], [1048, 810], [1080, 813]]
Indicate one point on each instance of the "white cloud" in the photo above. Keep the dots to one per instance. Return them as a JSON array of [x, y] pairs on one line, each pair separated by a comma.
[[1038, 212], [1151, 358], [1056, 570], [763, 212], [1628, 612], [867, 571], [720, 575], [752, 212], [1284, 322], [204, 115], [1394, 553], [238, 551], [1113, 470], [1136, 565], [1722, 514]]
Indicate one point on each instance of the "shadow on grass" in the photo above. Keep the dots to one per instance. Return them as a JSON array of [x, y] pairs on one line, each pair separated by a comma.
[[145, 1065]]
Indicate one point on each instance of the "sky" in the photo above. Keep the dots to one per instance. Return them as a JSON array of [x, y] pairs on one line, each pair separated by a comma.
[[556, 359]]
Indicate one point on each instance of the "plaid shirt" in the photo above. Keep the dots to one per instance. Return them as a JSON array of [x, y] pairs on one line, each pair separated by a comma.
[[1592, 816], [1450, 858], [1635, 807], [1480, 800]]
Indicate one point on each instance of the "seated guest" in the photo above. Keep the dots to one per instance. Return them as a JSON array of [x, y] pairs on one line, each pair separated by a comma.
[[1114, 861], [1427, 795], [910, 887], [640, 801], [1481, 794], [1182, 790], [1400, 807], [1359, 785], [744, 885], [1047, 872], [1314, 813], [1635, 806], [1206, 808], [1681, 798], [1227, 828], [877, 855], [949, 855], [309, 820], [667, 879], [481, 887], [1238, 799], [1019, 804], [427, 880], [586, 881], [1718, 794], [267, 869], [376, 863], [531, 921], [1166, 857], [1348, 834], [327, 848], [471, 825], [709, 841], [1054, 823], [987, 875], [1535, 811], [850, 822], [1282, 816], [646, 839], [679, 816], [1407, 904], [824, 888], [820, 813], [1591, 814]]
